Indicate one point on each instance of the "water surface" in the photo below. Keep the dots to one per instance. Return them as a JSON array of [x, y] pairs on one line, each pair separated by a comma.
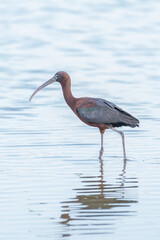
[[52, 183]]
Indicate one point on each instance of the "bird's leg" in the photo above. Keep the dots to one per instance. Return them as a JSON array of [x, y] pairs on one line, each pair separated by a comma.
[[102, 149], [123, 143], [102, 142]]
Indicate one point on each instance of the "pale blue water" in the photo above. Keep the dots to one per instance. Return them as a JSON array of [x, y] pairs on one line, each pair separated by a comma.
[[52, 184]]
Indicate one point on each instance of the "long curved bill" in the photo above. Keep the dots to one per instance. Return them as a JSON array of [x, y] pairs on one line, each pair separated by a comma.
[[42, 86]]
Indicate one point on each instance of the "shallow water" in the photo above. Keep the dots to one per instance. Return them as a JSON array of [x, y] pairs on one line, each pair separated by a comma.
[[52, 183]]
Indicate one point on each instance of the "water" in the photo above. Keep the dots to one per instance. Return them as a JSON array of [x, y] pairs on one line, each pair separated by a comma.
[[52, 184]]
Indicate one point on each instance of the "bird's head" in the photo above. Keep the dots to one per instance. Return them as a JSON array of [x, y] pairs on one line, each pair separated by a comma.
[[61, 77]]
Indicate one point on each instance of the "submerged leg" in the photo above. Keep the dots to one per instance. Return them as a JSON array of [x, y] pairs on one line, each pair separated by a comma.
[[123, 143], [102, 149]]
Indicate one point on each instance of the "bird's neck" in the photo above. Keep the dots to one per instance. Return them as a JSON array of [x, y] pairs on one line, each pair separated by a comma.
[[68, 96]]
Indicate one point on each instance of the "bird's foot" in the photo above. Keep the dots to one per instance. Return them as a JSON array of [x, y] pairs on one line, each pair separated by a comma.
[[101, 153]]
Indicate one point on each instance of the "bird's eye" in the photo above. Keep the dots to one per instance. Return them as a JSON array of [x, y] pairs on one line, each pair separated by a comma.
[[56, 76]]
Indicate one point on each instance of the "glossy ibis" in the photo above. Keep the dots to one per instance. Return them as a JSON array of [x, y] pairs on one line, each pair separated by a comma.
[[95, 112]]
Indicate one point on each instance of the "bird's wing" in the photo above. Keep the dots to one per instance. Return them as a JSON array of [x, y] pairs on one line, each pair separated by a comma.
[[101, 111]]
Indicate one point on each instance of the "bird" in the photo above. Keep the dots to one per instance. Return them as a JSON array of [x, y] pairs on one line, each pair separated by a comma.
[[95, 112]]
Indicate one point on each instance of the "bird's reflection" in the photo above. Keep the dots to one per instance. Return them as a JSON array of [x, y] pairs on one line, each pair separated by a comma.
[[99, 203]]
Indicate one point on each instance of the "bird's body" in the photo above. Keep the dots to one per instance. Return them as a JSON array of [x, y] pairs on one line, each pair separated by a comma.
[[100, 113], [95, 112]]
